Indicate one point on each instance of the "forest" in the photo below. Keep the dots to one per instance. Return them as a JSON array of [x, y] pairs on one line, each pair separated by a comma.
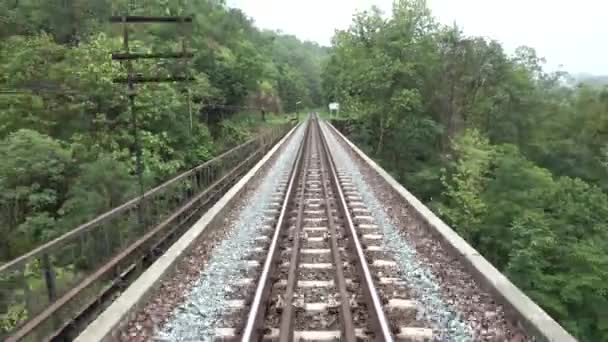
[[515, 159], [66, 136]]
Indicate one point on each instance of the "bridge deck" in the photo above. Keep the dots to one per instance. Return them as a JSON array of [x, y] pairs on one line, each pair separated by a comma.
[[441, 271]]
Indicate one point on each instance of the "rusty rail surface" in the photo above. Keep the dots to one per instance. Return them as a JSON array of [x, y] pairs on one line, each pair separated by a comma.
[[50, 292]]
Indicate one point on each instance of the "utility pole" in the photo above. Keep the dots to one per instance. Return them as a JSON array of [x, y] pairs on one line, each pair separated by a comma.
[[127, 57]]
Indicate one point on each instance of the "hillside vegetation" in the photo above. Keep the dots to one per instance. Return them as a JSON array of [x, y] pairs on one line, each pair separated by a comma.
[[66, 136], [507, 154]]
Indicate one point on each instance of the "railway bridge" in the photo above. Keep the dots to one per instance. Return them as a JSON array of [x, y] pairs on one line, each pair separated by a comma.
[[295, 235]]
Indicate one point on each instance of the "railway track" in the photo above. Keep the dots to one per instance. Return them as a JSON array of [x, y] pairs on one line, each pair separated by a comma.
[[314, 244], [318, 270]]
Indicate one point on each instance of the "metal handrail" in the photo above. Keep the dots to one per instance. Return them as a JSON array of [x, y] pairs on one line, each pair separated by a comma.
[[156, 206], [133, 203]]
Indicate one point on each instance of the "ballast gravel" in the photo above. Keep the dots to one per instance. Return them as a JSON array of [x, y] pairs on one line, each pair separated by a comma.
[[199, 315], [457, 307], [197, 318], [188, 305]]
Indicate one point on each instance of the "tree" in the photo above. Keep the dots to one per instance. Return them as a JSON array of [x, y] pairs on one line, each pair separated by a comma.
[[34, 178]]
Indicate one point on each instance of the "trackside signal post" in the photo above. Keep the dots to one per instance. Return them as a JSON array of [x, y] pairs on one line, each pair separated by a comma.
[[334, 107]]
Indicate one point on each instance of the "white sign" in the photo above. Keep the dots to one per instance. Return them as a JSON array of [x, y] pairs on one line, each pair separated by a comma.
[[334, 106]]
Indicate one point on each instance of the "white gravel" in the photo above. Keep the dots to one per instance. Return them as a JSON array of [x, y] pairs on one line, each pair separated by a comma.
[[447, 322], [196, 319]]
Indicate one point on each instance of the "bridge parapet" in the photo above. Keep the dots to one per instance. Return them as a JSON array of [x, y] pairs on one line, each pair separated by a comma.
[[520, 308], [47, 291]]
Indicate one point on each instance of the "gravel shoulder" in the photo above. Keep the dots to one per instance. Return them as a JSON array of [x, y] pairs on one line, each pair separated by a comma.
[[453, 301]]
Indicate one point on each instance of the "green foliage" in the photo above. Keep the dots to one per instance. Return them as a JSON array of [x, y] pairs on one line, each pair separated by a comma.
[[102, 184], [68, 20], [513, 158], [463, 205], [232, 133], [558, 257], [34, 174], [12, 317], [541, 230]]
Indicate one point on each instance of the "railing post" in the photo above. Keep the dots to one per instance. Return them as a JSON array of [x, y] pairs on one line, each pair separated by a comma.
[[49, 277]]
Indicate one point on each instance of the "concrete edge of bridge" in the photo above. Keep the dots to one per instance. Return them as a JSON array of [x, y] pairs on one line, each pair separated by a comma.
[[112, 321], [517, 304]]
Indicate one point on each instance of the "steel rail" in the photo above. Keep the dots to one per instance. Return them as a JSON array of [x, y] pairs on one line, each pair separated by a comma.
[[375, 306], [258, 306], [348, 326], [286, 325]]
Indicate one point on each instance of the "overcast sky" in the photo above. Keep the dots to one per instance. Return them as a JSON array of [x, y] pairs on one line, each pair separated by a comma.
[[573, 33]]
